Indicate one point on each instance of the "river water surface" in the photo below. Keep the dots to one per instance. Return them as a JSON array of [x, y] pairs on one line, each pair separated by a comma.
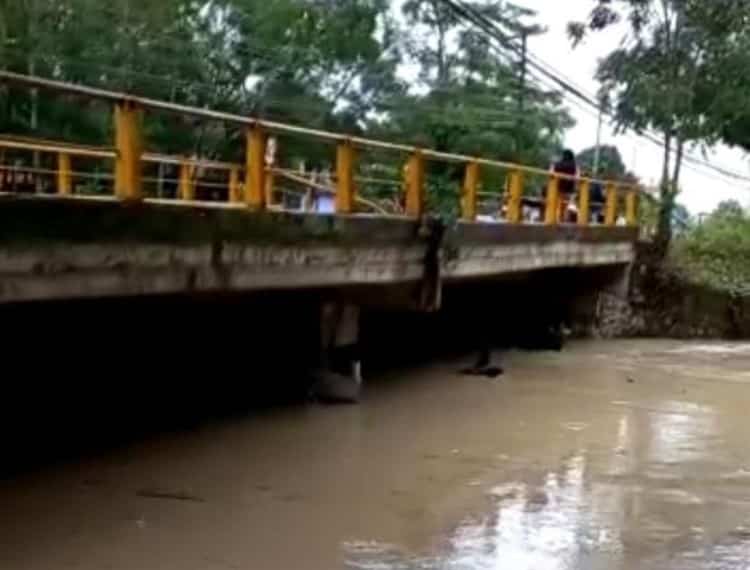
[[629, 454]]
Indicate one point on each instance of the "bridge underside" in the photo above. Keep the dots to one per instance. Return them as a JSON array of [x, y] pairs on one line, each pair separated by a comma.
[[91, 248]]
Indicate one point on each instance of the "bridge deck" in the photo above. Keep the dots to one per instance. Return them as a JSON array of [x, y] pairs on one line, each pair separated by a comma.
[[72, 248]]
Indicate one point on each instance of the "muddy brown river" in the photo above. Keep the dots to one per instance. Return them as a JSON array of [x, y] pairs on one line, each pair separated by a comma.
[[629, 454]]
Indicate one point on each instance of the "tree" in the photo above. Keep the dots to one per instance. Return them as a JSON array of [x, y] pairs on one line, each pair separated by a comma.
[[116, 45], [611, 164], [329, 64], [666, 76], [728, 210], [721, 93], [471, 95], [717, 251], [291, 60], [464, 97]]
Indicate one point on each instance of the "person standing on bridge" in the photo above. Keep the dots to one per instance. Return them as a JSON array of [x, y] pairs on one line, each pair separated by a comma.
[[597, 200], [567, 184]]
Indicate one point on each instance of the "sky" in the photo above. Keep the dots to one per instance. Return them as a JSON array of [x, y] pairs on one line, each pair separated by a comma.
[[702, 189]]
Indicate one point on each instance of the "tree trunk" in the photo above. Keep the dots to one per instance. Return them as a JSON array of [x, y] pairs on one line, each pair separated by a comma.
[[667, 158], [442, 68], [678, 165], [666, 195]]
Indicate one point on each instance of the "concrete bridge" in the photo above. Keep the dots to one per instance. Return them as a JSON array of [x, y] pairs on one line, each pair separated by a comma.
[[61, 241], [58, 241], [91, 248], [103, 250]]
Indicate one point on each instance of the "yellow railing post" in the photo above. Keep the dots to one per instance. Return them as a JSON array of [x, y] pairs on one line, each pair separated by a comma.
[[469, 197], [515, 197], [235, 193], [610, 209], [255, 187], [553, 200], [415, 185], [129, 145], [631, 207], [345, 189], [64, 175], [584, 203], [187, 184]]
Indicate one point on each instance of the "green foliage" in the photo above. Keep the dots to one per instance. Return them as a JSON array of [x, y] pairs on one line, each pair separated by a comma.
[[681, 70], [285, 60], [467, 97], [717, 251], [611, 164], [421, 77]]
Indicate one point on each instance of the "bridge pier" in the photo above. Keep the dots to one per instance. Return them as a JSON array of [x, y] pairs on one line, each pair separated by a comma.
[[339, 378], [596, 301]]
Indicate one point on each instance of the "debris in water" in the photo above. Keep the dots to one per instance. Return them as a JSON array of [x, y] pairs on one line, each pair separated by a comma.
[[169, 495], [488, 372], [508, 491], [483, 367]]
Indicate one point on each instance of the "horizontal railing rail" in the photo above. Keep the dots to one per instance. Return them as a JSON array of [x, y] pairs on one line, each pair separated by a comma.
[[252, 182]]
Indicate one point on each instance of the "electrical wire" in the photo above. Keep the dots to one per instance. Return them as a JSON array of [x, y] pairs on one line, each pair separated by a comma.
[[478, 19]]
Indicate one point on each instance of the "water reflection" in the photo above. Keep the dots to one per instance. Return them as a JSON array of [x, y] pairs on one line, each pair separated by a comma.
[[564, 464], [681, 434], [545, 527], [651, 489]]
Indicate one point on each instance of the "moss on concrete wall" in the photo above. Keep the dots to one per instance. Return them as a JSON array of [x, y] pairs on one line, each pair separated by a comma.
[[25, 221]]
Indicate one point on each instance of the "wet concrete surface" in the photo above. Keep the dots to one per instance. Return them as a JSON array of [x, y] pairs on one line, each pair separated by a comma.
[[619, 455]]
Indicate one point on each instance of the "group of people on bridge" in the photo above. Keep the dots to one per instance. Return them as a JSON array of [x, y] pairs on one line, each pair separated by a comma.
[[568, 210], [316, 189]]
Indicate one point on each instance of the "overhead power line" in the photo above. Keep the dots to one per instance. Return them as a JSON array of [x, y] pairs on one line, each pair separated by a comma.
[[472, 15], [690, 163]]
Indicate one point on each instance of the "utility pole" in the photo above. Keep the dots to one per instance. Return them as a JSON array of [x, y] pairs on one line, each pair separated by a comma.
[[523, 32], [522, 91], [32, 41], [597, 148], [34, 103]]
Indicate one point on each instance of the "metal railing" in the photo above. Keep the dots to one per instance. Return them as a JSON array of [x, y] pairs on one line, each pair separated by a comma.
[[252, 183]]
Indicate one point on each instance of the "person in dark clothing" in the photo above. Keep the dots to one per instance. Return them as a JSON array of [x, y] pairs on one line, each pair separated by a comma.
[[170, 184], [567, 186], [567, 165], [597, 198]]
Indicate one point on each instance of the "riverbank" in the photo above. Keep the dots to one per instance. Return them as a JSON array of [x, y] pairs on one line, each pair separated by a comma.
[[662, 300]]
